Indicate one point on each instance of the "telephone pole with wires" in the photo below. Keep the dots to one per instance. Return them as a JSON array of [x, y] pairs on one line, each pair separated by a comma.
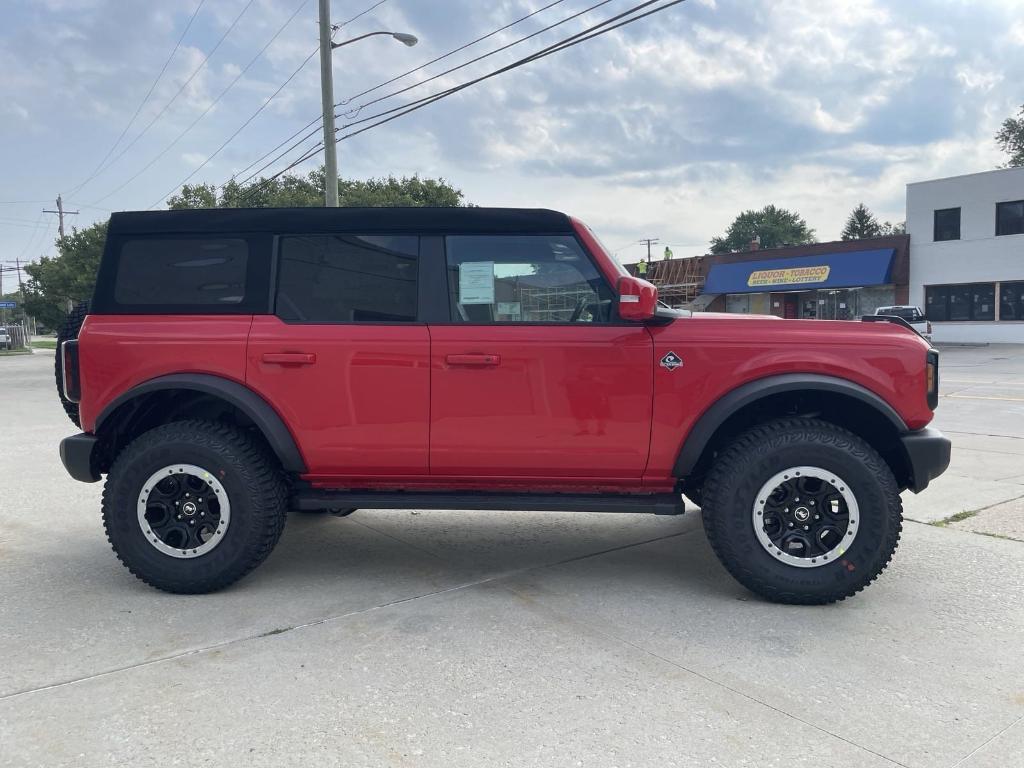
[[650, 241], [61, 213]]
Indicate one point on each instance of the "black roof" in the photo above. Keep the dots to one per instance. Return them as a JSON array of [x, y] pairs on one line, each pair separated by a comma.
[[362, 220]]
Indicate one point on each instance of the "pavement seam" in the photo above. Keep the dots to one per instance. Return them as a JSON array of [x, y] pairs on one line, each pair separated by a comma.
[[682, 667], [329, 619], [986, 742]]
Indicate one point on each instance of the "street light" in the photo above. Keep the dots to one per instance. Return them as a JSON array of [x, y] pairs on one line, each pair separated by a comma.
[[327, 46]]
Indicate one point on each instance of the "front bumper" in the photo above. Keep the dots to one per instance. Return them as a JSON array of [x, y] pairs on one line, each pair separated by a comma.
[[77, 455], [928, 452]]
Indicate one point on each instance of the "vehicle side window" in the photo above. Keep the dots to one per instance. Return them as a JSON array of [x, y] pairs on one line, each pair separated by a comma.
[[195, 272], [524, 279], [347, 278]]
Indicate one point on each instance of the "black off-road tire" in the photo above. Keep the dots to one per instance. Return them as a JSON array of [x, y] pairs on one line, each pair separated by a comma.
[[249, 474], [755, 457], [72, 325]]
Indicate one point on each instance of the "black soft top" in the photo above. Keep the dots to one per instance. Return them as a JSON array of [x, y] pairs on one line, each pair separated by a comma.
[[363, 220]]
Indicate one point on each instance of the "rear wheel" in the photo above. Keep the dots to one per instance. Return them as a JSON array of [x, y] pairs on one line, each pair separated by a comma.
[[193, 506], [801, 511]]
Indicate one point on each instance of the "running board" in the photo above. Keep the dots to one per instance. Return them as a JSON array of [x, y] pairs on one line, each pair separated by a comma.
[[656, 504]]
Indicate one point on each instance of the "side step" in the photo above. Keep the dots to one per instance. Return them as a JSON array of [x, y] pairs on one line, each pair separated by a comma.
[[656, 504]]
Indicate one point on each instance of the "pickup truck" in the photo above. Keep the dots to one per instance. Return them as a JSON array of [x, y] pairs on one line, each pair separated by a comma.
[[913, 315], [234, 365]]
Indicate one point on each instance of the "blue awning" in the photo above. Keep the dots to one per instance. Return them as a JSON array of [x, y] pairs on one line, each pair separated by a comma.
[[802, 273]]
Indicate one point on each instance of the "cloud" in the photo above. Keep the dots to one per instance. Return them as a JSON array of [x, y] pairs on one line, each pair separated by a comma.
[[665, 128]]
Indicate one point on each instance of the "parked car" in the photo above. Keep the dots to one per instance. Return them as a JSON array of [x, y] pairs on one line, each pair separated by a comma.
[[236, 364], [912, 315], [5, 339]]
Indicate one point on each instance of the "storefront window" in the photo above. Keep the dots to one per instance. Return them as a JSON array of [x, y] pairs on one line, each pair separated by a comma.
[[1011, 301], [970, 301]]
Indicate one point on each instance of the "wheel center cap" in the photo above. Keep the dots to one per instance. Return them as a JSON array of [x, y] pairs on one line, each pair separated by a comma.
[[802, 514], [188, 508]]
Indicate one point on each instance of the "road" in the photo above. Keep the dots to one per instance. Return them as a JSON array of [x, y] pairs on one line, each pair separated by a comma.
[[514, 639]]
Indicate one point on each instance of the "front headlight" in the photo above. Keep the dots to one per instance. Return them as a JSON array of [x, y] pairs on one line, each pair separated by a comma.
[[933, 378]]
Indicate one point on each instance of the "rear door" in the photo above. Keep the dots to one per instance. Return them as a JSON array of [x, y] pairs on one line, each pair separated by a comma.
[[534, 376], [344, 358]]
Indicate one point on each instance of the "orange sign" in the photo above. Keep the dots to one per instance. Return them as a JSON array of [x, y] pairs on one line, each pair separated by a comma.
[[791, 276]]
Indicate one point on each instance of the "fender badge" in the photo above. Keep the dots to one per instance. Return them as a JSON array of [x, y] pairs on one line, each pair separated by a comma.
[[671, 361]]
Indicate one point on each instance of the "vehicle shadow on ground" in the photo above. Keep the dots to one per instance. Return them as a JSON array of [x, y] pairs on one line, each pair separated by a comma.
[[449, 549]]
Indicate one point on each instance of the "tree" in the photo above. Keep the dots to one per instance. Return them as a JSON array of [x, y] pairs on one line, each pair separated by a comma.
[[290, 191], [1011, 139], [69, 276], [775, 226], [861, 224], [899, 228]]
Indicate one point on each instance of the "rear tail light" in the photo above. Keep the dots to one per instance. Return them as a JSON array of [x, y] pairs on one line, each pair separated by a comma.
[[929, 327], [933, 378], [70, 380]]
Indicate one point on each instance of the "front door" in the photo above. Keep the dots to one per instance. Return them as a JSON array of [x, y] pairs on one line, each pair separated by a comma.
[[344, 359], [535, 377]]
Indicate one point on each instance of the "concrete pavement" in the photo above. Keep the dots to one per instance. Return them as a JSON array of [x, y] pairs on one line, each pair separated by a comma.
[[508, 639]]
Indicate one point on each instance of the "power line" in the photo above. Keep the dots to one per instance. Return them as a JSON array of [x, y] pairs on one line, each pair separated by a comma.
[[356, 110], [581, 37], [376, 5], [145, 98], [242, 127], [209, 107], [587, 34], [178, 93], [316, 120], [450, 53]]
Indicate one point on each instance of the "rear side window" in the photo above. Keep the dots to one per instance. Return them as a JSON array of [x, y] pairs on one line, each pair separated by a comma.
[[348, 278], [191, 273], [524, 279]]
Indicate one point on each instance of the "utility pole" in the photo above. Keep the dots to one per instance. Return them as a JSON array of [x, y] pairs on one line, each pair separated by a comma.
[[61, 213], [650, 241], [327, 96]]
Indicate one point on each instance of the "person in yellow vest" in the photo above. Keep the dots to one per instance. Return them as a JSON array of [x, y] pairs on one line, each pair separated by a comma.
[[668, 253], [641, 268]]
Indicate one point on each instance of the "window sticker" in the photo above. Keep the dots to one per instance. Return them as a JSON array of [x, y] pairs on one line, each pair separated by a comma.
[[476, 282], [510, 311]]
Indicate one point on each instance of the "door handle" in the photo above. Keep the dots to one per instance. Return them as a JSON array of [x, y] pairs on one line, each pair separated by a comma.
[[289, 358], [478, 360]]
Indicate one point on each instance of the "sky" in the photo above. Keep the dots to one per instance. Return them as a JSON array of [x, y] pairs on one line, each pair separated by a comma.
[[666, 128]]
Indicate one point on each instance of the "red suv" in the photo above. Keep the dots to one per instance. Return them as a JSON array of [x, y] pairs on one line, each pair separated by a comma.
[[235, 364]]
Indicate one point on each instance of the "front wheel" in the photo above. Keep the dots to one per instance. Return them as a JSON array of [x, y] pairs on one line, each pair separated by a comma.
[[801, 511], [192, 506]]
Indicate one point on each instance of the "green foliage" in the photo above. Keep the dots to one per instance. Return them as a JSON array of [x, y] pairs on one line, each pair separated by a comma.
[[68, 276], [861, 224], [71, 275], [899, 228], [775, 226], [1011, 139], [291, 191]]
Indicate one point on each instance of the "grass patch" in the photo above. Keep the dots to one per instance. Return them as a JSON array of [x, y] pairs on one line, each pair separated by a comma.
[[44, 344], [955, 518]]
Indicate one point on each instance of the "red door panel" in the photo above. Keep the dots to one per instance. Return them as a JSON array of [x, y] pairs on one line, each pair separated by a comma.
[[540, 401], [355, 396]]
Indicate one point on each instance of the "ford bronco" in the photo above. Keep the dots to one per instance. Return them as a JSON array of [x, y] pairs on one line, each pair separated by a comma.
[[237, 364]]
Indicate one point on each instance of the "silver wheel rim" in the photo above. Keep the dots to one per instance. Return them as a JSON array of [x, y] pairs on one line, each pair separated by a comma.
[[194, 525], [832, 508]]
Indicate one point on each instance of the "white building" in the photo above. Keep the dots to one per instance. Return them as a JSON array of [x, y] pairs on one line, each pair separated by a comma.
[[967, 255]]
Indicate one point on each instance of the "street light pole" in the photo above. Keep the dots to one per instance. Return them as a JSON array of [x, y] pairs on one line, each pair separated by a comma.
[[327, 95]]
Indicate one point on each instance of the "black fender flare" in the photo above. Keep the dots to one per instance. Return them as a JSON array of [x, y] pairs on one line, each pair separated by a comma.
[[262, 414], [704, 429]]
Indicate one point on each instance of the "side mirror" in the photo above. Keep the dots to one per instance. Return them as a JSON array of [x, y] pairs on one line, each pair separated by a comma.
[[638, 299]]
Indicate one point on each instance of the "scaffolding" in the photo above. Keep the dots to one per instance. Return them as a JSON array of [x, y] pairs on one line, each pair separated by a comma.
[[679, 281]]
